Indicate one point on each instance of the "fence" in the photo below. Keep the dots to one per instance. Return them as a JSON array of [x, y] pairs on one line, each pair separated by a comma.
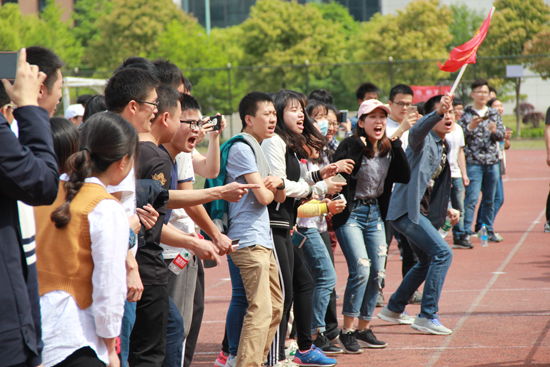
[[220, 89]]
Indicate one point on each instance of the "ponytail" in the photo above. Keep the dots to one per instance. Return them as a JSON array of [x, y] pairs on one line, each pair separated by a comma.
[[105, 139], [80, 167]]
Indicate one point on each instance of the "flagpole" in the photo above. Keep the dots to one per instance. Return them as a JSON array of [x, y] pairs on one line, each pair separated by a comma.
[[458, 78]]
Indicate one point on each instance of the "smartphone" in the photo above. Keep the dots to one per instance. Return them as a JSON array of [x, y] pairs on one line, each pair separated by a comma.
[[216, 121], [8, 64], [343, 116], [340, 197], [339, 178], [298, 239], [487, 117], [235, 244], [412, 110]]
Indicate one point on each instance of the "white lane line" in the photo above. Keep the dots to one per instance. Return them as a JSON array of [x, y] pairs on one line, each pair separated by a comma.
[[222, 282], [478, 299], [527, 179]]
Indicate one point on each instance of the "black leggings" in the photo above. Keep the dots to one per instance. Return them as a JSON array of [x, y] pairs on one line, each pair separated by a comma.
[[331, 317], [297, 285], [548, 208], [82, 357]]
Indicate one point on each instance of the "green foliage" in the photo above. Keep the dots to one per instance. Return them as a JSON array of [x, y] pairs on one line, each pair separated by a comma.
[[540, 44], [133, 28], [86, 14], [284, 32], [338, 13], [466, 23], [17, 30], [418, 32], [514, 23], [48, 31]]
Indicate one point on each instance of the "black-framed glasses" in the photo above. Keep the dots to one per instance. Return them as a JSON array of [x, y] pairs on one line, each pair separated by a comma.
[[403, 104], [154, 104], [193, 125]]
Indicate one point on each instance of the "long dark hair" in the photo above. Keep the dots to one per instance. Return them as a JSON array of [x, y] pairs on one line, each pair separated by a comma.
[[65, 140], [310, 136], [105, 139], [384, 144]]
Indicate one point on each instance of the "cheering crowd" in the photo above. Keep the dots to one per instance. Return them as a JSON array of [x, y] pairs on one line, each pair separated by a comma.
[[102, 263]]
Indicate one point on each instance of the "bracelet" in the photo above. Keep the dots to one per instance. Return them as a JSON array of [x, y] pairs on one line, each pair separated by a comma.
[[283, 186], [328, 211]]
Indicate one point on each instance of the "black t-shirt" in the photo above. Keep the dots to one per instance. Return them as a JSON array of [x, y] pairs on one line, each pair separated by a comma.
[[547, 122], [425, 201], [155, 164]]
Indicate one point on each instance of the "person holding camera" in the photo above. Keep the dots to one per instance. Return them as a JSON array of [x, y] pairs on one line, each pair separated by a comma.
[[483, 130]]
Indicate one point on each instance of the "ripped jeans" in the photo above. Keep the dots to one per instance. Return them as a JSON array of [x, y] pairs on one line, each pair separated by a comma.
[[363, 242]]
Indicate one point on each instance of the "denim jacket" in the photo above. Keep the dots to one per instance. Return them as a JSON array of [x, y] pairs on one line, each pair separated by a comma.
[[481, 144], [424, 156]]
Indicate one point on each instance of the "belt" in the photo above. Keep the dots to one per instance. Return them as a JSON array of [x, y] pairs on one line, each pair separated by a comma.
[[371, 201]]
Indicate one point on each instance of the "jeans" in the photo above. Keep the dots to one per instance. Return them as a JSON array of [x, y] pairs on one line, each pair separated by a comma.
[[363, 242], [483, 178], [320, 266], [434, 259], [457, 201], [128, 321], [237, 308], [174, 337], [499, 200]]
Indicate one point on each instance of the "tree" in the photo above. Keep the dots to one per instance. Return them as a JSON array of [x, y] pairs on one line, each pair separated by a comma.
[[86, 14], [466, 22], [418, 32], [338, 13], [133, 28], [281, 33], [540, 44], [48, 31], [514, 24]]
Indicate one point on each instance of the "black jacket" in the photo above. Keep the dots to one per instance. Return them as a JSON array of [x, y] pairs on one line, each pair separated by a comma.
[[28, 173], [399, 171]]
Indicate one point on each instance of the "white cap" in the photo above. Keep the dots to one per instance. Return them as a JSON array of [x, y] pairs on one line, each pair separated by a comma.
[[74, 110]]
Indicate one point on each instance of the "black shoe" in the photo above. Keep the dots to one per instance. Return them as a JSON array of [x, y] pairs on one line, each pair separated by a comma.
[[367, 339], [462, 242], [348, 342], [326, 345]]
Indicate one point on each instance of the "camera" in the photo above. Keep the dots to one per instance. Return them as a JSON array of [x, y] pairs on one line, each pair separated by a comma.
[[216, 121]]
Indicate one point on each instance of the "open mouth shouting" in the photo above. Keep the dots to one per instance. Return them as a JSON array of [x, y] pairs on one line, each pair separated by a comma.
[[378, 130], [300, 124], [192, 141]]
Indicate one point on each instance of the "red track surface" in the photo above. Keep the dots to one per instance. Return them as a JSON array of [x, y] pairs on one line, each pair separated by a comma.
[[495, 299]]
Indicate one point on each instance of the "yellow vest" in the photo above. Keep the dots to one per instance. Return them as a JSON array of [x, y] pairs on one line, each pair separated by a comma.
[[64, 255]]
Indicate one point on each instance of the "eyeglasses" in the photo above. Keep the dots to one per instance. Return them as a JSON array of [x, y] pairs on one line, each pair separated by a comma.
[[404, 104], [154, 104], [193, 125]]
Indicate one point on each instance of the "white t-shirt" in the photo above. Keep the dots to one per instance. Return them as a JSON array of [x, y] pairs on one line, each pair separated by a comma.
[[391, 127], [456, 140], [179, 217], [128, 200]]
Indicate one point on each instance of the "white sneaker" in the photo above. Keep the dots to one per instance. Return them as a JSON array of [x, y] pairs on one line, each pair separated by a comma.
[[231, 361], [432, 326], [547, 227], [394, 317]]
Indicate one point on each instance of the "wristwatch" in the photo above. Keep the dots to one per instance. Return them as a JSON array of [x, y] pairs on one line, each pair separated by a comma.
[[283, 186]]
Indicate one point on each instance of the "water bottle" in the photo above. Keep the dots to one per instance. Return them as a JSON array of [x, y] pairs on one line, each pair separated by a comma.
[[177, 265], [445, 228], [483, 236]]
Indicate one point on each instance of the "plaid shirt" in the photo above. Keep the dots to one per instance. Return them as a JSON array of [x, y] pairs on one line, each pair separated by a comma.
[[481, 144]]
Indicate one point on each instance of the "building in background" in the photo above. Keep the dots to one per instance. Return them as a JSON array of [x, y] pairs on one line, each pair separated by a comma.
[[35, 6], [226, 13]]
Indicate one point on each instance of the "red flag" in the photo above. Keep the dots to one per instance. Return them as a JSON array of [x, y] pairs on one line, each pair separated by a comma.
[[466, 53]]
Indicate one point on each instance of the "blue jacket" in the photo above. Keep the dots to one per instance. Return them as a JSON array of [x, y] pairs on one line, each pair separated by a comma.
[[28, 173], [424, 156]]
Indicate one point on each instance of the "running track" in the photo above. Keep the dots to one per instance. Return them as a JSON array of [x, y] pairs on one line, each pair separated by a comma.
[[495, 299]]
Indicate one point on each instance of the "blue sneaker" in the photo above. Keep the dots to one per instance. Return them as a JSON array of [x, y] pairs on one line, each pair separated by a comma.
[[313, 357]]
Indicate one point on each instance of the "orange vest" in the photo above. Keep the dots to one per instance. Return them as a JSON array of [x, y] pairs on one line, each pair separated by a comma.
[[64, 255]]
